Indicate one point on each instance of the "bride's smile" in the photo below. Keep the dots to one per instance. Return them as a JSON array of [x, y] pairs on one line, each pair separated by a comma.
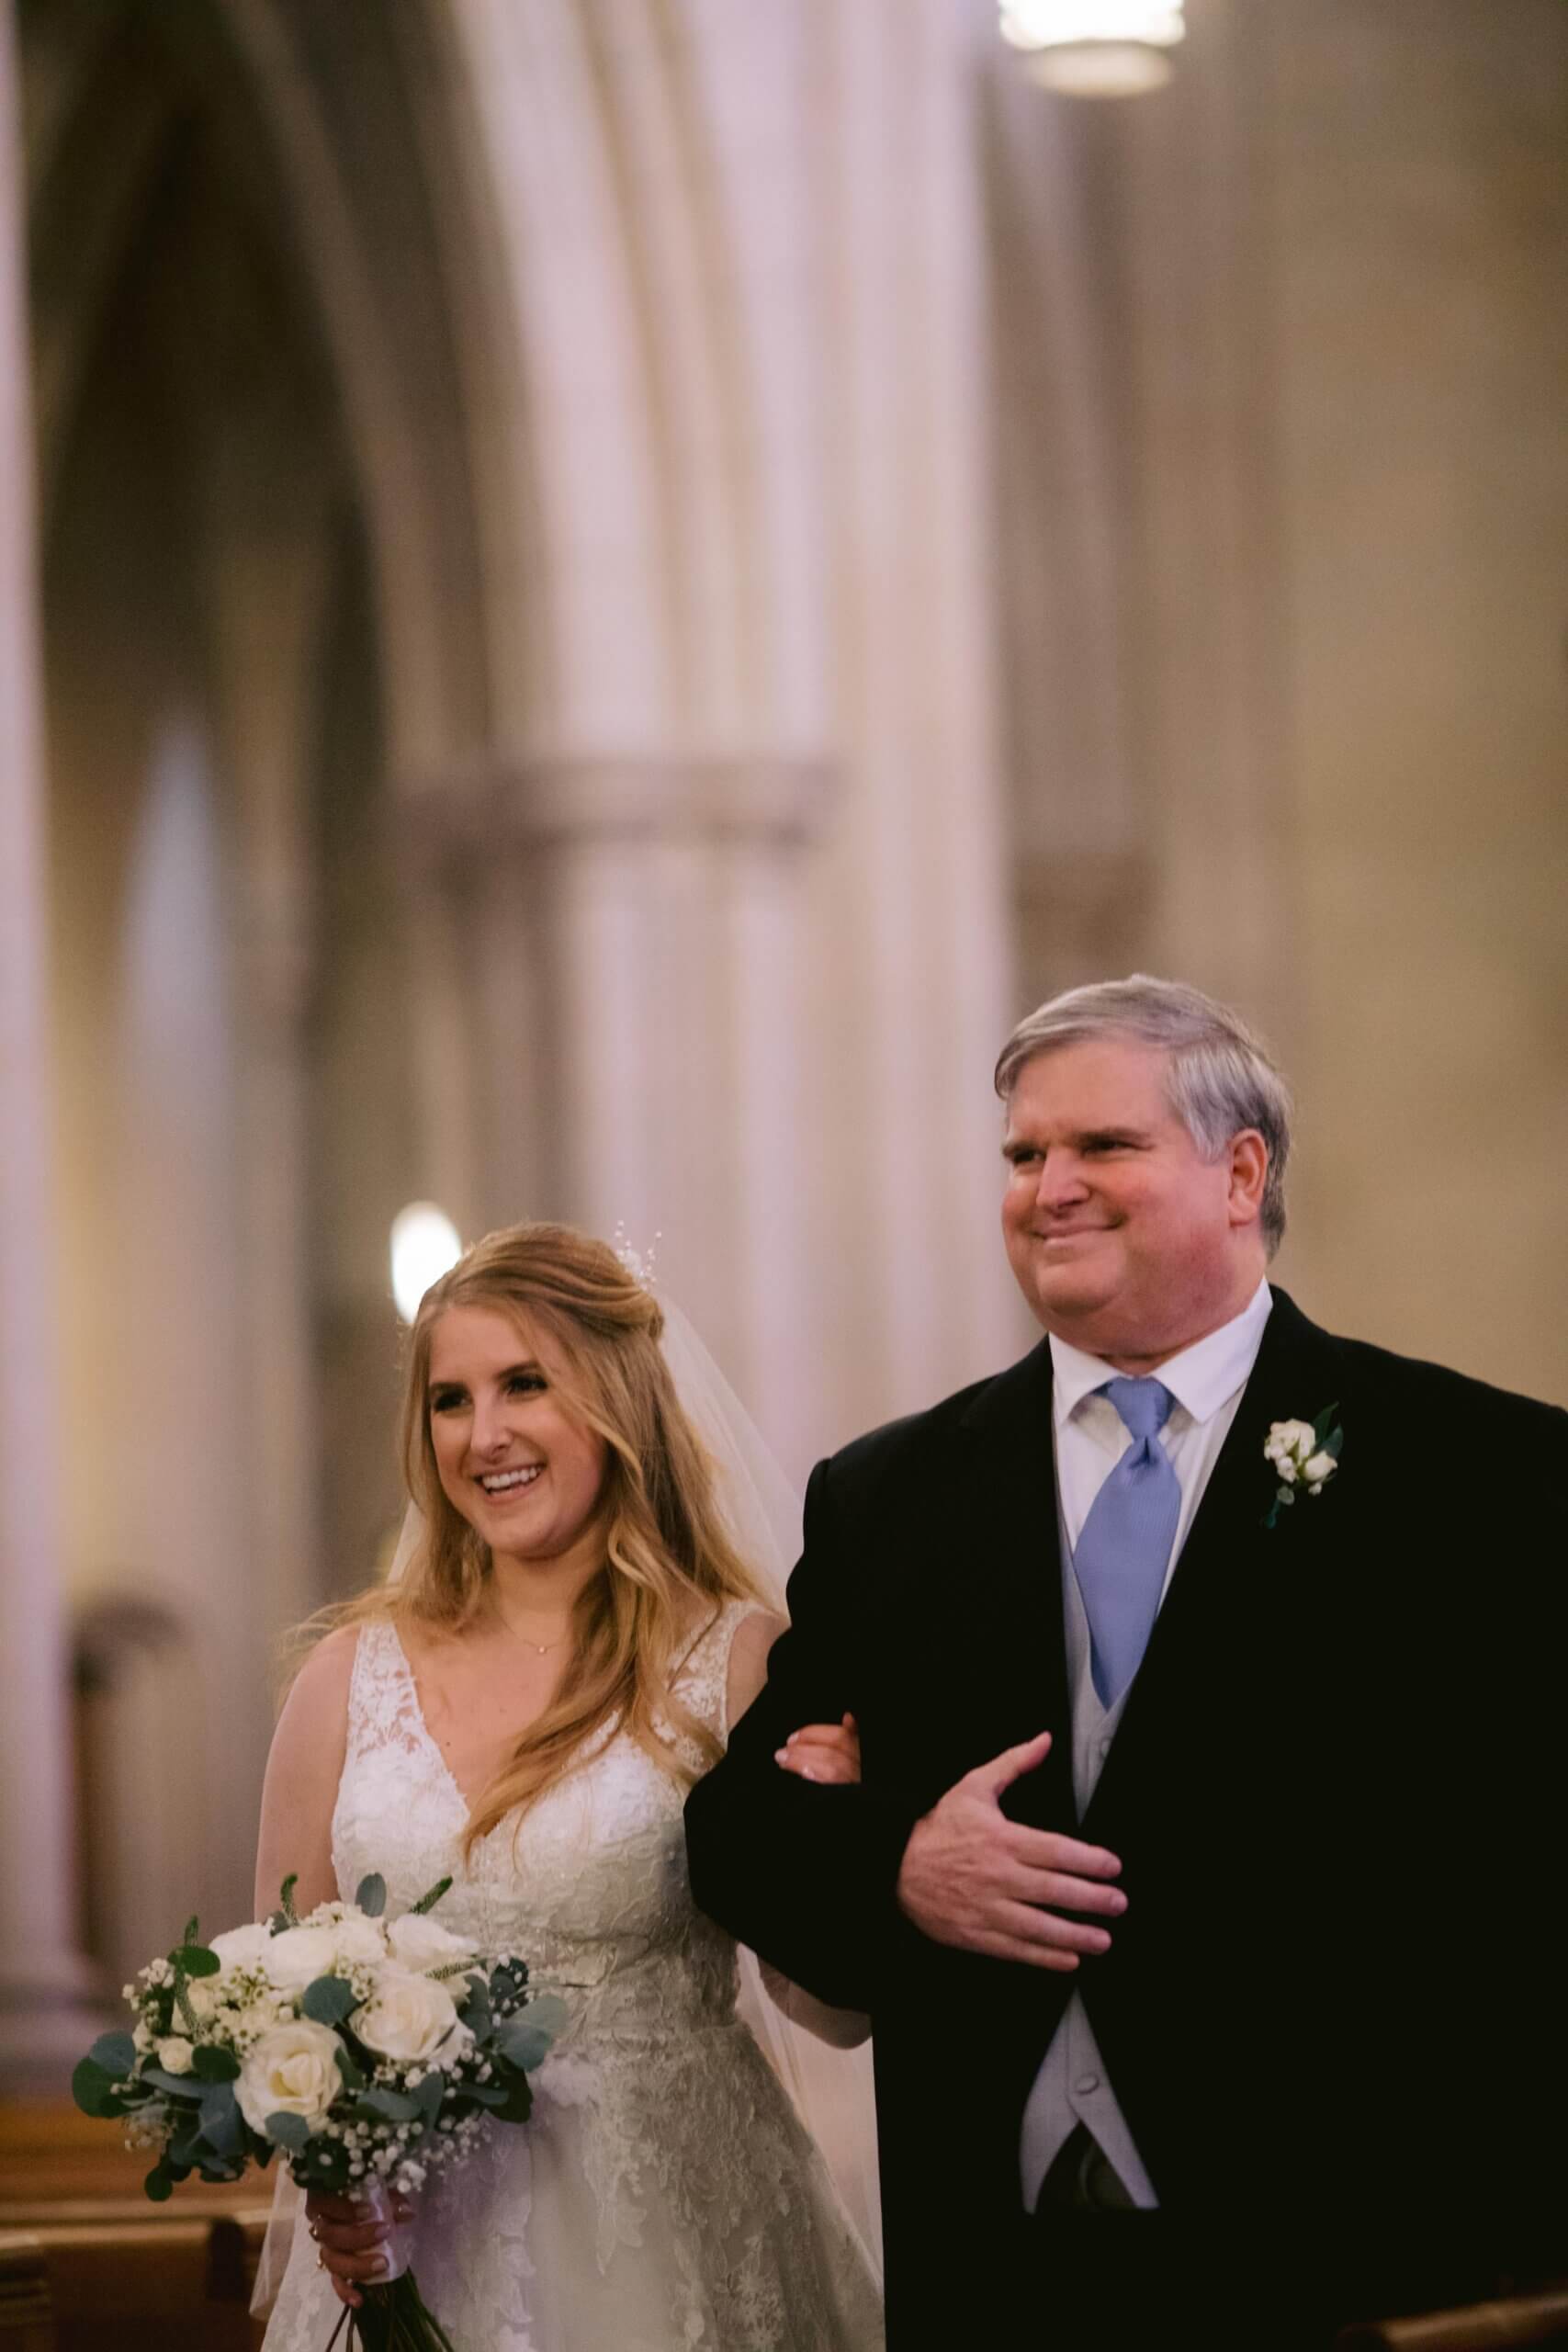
[[502, 1482]]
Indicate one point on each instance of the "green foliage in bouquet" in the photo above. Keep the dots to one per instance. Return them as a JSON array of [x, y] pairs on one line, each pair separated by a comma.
[[365, 2050]]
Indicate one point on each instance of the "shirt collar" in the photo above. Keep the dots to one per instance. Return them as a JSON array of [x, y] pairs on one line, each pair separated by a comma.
[[1202, 1378]]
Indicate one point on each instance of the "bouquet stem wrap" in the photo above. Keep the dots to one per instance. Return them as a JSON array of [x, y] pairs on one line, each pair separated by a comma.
[[392, 2318]]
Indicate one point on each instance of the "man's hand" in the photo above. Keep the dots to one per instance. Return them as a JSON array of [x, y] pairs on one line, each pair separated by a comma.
[[351, 2245], [973, 1878], [823, 1752]]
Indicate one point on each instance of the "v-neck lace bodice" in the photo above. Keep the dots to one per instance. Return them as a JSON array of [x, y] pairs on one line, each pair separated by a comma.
[[589, 1886], [662, 2198]]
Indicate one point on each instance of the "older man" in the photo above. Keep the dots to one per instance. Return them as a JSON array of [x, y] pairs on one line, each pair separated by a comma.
[[1202, 1877]]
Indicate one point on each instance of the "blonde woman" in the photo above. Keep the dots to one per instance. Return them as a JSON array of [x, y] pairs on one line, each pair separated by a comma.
[[525, 1707]]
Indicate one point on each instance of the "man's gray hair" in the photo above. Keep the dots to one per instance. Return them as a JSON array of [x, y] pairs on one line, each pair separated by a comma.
[[1219, 1078]]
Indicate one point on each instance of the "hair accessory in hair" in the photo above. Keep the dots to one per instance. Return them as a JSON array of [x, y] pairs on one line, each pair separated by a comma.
[[638, 1264]]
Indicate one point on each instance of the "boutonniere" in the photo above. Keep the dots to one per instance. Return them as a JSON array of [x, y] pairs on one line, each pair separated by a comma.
[[1303, 1456]]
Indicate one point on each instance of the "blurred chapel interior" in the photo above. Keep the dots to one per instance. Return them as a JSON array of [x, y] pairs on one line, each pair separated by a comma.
[[595, 596]]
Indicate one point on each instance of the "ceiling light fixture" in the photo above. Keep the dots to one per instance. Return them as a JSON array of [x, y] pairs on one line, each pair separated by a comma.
[[1095, 49], [424, 1244]]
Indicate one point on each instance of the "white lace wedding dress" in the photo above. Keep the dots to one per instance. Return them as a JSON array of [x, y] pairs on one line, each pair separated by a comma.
[[662, 2197]]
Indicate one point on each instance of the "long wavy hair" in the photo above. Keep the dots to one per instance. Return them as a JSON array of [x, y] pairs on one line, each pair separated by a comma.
[[668, 1563]]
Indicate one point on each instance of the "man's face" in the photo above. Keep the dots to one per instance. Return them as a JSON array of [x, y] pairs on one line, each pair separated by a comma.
[[1125, 1239]]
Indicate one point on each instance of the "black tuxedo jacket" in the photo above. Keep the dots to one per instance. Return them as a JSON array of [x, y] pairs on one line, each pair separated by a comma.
[[1333, 2012]]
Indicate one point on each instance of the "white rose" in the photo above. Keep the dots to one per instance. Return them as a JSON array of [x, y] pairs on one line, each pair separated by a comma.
[[292, 2070], [1319, 1467], [299, 1955], [175, 2054], [242, 1947], [417, 1942], [203, 1995], [406, 2016], [1294, 1438], [357, 1939], [326, 1949]]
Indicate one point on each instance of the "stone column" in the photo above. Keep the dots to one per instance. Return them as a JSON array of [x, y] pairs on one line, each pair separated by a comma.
[[1145, 585], [1201, 358], [268, 589], [634, 999], [268, 570], [44, 1983]]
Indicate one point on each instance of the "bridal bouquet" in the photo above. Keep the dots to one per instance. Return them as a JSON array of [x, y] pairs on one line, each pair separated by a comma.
[[368, 2051]]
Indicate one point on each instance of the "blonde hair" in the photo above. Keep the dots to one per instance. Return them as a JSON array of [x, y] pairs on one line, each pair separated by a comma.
[[670, 1565]]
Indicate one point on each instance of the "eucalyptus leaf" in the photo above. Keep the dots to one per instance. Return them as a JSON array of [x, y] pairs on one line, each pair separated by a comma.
[[215, 2064], [485, 2094], [290, 2131], [371, 1894], [92, 2089], [329, 2000], [548, 2013], [523, 2045], [160, 2184], [475, 2009], [222, 2126], [218, 2105], [526, 2039], [428, 2094], [115, 2053], [390, 2107], [195, 1960], [189, 2086]]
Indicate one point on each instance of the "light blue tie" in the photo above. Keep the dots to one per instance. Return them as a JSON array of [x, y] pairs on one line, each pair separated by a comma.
[[1124, 1550]]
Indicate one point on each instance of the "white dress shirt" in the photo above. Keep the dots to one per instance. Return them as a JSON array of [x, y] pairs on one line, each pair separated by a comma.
[[1206, 1381]]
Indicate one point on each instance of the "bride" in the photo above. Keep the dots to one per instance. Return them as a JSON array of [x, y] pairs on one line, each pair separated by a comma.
[[523, 1707]]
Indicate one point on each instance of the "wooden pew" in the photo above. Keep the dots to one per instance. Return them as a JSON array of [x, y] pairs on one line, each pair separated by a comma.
[[1519, 2324], [112, 2268], [27, 2317]]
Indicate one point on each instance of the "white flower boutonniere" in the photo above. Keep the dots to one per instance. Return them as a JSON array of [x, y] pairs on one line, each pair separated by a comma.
[[1303, 1456]]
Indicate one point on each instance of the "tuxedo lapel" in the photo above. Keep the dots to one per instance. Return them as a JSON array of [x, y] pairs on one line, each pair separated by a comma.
[[1208, 1607], [1004, 1494]]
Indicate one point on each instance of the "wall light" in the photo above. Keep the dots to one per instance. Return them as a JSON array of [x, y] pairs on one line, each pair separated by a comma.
[[424, 1243], [1095, 49]]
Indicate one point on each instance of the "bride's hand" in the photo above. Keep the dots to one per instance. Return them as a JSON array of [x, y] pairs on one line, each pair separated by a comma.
[[828, 1752], [349, 2246]]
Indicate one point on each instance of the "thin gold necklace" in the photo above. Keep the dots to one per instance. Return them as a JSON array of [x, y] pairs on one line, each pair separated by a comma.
[[541, 1649]]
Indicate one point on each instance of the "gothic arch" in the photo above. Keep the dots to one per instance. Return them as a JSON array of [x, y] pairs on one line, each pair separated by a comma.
[[341, 128]]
